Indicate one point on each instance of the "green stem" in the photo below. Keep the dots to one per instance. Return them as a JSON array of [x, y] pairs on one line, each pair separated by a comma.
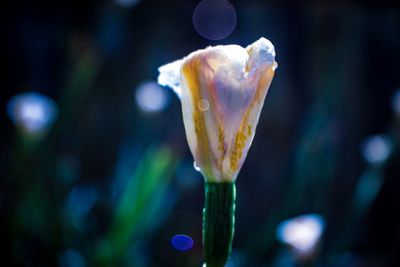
[[218, 222]]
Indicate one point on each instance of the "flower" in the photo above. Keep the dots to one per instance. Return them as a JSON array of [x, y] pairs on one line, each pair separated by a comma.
[[222, 91], [32, 112], [302, 232]]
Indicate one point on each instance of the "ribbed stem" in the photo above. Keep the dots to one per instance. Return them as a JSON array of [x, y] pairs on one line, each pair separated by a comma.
[[218, 222]]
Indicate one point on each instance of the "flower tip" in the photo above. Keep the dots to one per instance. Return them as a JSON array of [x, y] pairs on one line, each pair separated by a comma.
[[169, 75], [261, 52], [265, 46]]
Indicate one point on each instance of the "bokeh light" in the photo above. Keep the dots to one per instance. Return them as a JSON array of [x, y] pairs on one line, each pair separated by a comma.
[[302, 232], [203, 105], [396, 101], [150, 97], [214, 19], [177, 242], [127, 3], [182, 242], [32, 112], [376, 149]]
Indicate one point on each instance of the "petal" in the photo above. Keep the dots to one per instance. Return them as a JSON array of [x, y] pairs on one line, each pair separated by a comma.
[[246, 130], [170, 76], [200, 119], [260, 70]]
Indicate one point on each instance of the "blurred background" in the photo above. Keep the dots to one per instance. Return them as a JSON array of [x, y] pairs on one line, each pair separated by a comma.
[[95, 168]]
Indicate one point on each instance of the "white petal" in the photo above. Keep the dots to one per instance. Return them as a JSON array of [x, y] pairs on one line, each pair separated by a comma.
[[260, 52], [170, 75]]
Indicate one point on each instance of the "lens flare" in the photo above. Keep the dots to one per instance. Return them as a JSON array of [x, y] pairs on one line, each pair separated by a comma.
[[182, 242], [214, 19]]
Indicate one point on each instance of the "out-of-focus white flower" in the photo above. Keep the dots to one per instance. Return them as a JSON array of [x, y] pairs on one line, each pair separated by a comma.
[[32, 112], [377, 149], [302, 232], [222, 91]]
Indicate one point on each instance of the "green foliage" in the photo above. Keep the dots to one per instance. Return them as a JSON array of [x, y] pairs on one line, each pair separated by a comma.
[[139, 205]]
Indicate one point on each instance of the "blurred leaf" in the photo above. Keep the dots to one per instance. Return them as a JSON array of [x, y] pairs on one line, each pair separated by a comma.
[[139, 204]]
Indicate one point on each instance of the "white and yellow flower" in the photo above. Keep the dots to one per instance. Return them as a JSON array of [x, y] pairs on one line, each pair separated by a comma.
[[222, 90]]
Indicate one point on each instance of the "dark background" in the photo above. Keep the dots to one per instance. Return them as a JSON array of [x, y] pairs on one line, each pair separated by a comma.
[[62, 197]]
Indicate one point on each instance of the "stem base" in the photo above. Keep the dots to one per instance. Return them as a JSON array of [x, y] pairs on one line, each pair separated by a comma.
[[218, 222]]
